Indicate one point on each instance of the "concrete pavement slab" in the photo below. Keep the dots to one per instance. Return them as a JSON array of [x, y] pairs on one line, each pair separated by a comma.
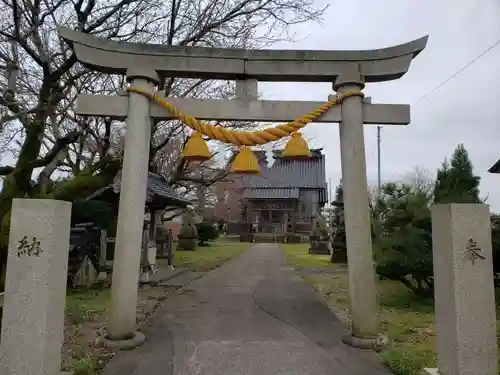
[[251, 316]]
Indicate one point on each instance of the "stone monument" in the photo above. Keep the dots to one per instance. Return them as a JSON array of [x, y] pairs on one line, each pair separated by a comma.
[[188, 235], [146, 69], [320, 236], [35, 287], [464, 291]]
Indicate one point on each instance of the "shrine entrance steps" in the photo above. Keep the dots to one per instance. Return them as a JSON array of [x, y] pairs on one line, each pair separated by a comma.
[[274, 237]]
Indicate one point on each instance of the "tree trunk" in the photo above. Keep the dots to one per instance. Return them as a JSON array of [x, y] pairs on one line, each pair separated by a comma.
[[75, 188], [18, 183], [8, 193]]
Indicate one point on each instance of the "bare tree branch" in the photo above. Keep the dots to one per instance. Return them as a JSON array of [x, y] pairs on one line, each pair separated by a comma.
[[42, 79], [60, 144]]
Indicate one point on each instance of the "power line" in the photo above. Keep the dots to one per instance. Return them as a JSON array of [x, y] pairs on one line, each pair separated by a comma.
[[459, 71]]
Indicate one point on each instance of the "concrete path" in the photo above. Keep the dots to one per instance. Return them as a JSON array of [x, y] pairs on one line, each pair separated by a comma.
[[252, 316]]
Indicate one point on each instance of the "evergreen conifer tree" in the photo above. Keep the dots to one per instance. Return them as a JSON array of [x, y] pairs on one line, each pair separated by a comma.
[[456, 182], [339, 249]]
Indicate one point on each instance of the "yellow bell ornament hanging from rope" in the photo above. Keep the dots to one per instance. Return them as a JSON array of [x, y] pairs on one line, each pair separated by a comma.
[[296, 148], [245, 162], [196, 149]]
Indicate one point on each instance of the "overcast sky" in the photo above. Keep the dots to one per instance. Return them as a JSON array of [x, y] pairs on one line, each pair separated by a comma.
[[464, 110]]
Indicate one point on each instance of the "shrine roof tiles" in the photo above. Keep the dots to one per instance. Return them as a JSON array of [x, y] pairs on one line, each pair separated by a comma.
[[495, 168], [292, 193], [288, 174], [157, 185], [157, 188]]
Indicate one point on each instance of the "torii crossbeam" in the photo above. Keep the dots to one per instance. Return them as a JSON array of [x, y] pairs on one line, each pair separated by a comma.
[[147, 66], [242, 109]]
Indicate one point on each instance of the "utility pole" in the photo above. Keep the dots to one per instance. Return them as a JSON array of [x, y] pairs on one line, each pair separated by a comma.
[[379, 180], [330, 207], [368, 100], [330, 191]]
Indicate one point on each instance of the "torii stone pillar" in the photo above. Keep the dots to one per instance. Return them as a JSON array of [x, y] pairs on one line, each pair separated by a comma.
[[121, 328], [347, 70], [362, 288]]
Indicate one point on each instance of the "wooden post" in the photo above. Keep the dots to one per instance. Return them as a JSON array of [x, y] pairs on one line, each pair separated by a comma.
[[169, 248], [145, 267], [152, 250], [102, 255]]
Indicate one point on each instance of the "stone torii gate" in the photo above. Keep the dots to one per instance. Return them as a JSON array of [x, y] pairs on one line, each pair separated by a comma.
[[146, 67]]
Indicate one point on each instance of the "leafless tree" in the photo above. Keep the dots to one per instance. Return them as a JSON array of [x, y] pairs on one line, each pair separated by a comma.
[[421, 180], [36, 62], [41, 79]]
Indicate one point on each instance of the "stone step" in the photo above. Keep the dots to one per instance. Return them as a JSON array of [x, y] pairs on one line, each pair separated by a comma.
[[270, 238]]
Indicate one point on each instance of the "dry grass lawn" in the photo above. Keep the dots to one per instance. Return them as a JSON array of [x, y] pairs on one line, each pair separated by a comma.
[[86, 309], [407, 320]]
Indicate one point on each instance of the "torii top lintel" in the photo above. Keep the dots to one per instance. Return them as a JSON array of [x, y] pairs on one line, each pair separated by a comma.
[[113, 57]]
